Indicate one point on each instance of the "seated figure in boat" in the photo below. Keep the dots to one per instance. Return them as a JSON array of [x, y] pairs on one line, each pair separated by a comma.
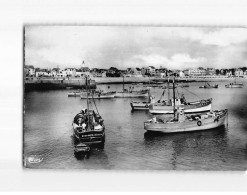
[[180, 114], [183, 100], [81, 123]]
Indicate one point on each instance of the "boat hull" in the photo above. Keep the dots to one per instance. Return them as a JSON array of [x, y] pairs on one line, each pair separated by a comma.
[[208, 87], [187, 126], [74, 94], [98, 97], [234, 86], [89, 137], [139, 105], [130, 95], [193, 108]]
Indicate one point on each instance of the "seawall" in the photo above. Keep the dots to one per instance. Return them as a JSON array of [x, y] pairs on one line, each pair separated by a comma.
[[79, 83], [50, 84]]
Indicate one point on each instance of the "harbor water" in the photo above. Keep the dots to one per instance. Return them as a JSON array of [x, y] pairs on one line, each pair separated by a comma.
[[48, 133]]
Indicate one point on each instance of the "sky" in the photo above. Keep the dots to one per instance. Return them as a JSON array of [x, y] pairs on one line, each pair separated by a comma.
[[132, 46]]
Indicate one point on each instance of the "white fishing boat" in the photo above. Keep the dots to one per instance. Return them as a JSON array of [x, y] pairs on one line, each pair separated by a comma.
[[166, 106], [100, 94], [234, 84], [208, 86], [131, 93], [185, 123], [137, 105], [88, 125], [74, 94]]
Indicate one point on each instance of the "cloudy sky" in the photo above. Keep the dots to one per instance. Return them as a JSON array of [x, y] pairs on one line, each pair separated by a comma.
[[123, 47]]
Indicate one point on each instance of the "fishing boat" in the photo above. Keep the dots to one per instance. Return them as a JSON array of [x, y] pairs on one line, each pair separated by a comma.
[[81, 149], [131, 93], [166, 106], [234, 84], [137, 105], [208, 86], [99, 94], [88, 125], [186, 123], [74, 94], [182, 123]]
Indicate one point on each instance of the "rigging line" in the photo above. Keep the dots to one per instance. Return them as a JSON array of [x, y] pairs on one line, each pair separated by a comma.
[[193, 93], [95, 104], [177, 92]]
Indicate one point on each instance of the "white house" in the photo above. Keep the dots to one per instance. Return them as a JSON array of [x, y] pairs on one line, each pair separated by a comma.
[[137, 72], [41, 73], [70, 72], [151, 70], [30, 70], [239, 72], [197, 72], [229, 73], [181, 74]]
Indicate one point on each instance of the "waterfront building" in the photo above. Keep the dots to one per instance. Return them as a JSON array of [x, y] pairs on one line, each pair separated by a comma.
[[144, 71], [70, 72], [181, 74], [197, 72], [151, 70], [239, 73], [41, 72], [229, 73], [78, 73], [30, 70], [137, 72], [210, 71], [55, 72]]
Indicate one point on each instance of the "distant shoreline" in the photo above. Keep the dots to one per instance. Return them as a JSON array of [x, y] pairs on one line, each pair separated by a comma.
[[47, 83], [127, 80]]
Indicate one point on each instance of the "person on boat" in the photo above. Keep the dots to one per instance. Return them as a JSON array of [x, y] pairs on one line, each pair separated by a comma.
[[81, 122], [91, 121], [182, 99], [82, 112], [181, 116], [176, 115], [97, 126]]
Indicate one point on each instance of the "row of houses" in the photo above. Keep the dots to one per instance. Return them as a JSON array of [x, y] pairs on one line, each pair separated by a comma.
[[56, 72], [131, 72]]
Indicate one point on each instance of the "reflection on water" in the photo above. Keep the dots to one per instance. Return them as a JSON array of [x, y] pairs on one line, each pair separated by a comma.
[[48, 134], [189, 144]]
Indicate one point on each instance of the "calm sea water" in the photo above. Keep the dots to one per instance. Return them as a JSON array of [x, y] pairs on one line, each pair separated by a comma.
[[48, 133]]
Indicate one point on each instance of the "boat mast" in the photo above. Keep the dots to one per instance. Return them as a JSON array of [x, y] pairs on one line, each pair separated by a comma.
[[173, 88], [168, 92], [87, 101], [123, 83]]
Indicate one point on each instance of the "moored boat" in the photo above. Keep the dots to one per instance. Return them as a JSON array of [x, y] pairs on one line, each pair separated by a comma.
[[208, 86], [88, 126], [234, 84], [137, 105], [131, 93], [186, 123], [98, 95], [166, 106], [182, 123], [74, 94]]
